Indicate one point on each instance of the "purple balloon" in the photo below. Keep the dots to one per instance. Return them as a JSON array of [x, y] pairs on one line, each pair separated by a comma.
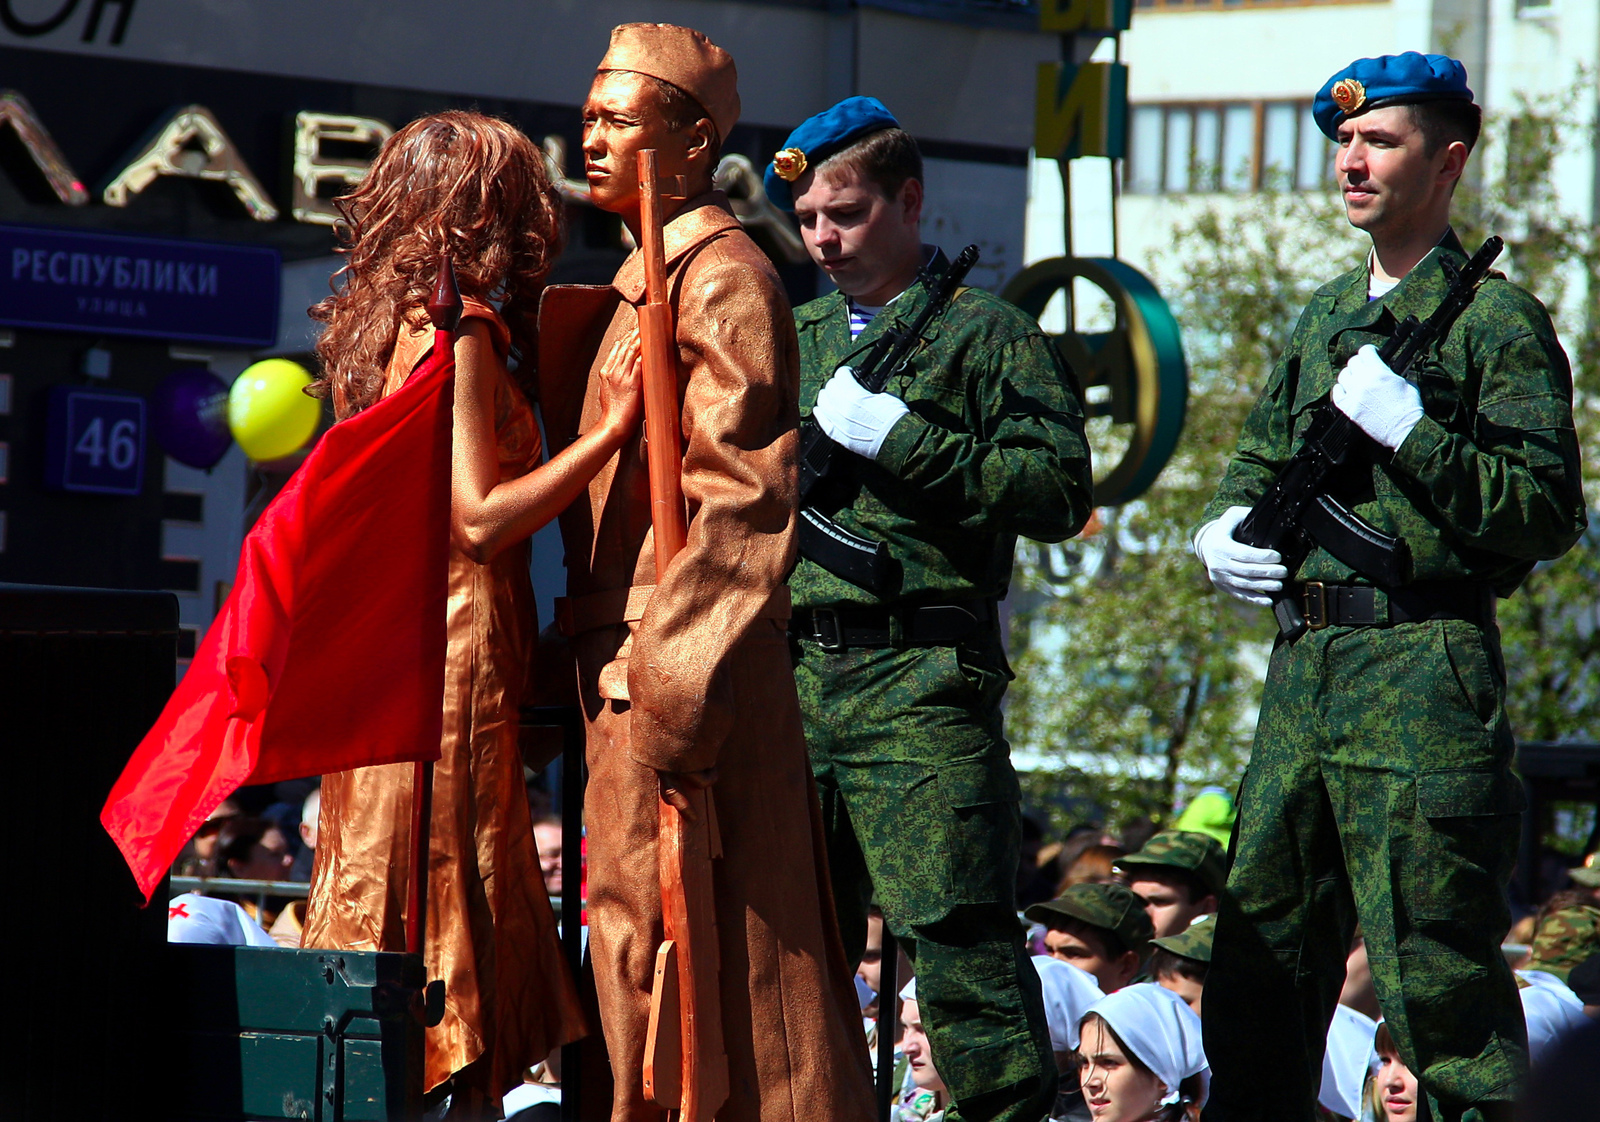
[[189, 416]]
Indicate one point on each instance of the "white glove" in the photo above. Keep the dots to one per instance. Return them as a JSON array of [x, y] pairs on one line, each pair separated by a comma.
[[855, 417], [1385, 405], [1240, 570]]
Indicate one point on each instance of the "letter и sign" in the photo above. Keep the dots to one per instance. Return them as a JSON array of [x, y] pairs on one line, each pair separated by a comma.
[[95, 441], [161, 288]]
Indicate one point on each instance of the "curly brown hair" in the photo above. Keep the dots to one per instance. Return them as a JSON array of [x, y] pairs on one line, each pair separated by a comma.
[[458, 182]]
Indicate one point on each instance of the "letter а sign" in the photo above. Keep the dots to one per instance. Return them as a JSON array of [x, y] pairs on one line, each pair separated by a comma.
[[95, 441]]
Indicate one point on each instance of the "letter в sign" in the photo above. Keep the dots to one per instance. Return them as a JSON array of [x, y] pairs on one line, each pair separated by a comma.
[[313, 170]]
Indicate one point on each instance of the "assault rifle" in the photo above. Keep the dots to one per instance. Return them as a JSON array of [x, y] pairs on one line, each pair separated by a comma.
[[1297, 513], [862, 561]]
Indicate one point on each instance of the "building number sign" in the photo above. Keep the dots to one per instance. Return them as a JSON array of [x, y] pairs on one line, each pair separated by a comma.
[[95, 441]]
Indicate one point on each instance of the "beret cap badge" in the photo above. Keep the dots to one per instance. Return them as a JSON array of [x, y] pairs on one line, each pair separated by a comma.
[[1349, 95], [790, 164]]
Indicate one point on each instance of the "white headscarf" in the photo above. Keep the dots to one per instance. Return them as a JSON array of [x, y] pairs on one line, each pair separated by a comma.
[[1157, 1026], [1068, 994], [1346, 1060], [908, 992], [192, 918], [1550, 1009]]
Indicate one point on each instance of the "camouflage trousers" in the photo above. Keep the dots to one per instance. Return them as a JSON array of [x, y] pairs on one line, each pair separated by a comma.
[[921, 806], [1379, 790]]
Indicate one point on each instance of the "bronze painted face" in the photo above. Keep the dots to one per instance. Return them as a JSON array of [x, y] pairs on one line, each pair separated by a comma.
[[621, 118]]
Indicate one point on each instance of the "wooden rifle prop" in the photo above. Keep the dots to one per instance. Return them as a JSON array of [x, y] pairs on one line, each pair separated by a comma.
[[1297, 514], [685, 1066], [864, 562]]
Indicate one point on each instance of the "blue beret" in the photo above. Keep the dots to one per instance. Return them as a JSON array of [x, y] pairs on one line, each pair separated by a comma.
[[821, 136], [1372, 83]]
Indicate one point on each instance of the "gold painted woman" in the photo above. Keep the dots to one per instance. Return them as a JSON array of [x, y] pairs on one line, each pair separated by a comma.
[[475, 188]]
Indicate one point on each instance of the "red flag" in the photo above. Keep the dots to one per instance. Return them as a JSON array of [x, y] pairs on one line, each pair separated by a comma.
[[329, 654]]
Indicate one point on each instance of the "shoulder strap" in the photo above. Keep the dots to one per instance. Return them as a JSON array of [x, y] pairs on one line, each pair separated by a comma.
[[499, 333]]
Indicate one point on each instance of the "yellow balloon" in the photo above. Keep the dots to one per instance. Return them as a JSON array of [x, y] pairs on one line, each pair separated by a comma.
[[268, 412]]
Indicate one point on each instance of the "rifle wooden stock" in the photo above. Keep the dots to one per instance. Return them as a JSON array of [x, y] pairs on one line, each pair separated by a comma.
[[685, 1066], [662, 431]]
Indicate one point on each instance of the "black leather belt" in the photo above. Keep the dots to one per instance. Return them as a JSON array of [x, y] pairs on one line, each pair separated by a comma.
[[1327, 604], [927, 625]]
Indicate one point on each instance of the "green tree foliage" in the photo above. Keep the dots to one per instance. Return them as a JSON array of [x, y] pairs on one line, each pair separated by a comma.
[[1549, 629], [1136, 680]]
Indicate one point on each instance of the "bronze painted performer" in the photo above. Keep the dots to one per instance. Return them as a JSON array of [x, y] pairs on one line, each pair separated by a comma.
[[685, 674], [476, 189]]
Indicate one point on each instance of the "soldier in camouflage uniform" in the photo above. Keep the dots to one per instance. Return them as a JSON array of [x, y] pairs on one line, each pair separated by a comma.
[[979, 439], [1380, 785], [1564, 939]]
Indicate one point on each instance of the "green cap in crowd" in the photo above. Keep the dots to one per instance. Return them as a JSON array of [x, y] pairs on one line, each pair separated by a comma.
[[1588, 873], [1198, 854], [1193, 941], [1111, 906]]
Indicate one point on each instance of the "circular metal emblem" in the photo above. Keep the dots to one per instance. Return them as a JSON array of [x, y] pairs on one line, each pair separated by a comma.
[[1349, 95], [1137, 366], [790, 164]]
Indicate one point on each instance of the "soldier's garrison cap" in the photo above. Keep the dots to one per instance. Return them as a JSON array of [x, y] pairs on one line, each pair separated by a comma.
[[1372, 83], [1588, 873], [682, 57], [1112, 906], [1564, 939], [1200, 854], [819, 137], [1193, 941]]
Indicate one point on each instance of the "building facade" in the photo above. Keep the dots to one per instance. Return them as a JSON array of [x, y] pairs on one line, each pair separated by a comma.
[[226, 128], [1220, 97]]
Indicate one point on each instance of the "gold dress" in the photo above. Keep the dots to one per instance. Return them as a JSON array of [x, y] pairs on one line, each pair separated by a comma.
[[491, 934]]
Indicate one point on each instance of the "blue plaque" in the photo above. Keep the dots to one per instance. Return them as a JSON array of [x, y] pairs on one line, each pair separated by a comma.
[[162, 288], [95, 441]]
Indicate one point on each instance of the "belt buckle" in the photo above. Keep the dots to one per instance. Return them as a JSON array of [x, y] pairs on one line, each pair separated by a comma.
[[1315, 596], [825, 629]]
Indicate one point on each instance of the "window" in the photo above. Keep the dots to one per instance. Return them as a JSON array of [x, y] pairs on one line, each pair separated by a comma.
[[1238, 158], [1180, 151], [1207, 141], [1314, 168], [1229, 146], [1278, 145], [1144, 150]]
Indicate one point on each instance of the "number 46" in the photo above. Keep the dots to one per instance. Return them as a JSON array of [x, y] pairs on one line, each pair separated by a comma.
[[122, 449]]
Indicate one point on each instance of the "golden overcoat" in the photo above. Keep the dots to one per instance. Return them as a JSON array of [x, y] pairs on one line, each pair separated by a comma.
[[697, 673]]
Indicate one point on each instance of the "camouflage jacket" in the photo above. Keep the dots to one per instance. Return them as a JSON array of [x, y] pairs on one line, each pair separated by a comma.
[[993, 447], [1488, 483]]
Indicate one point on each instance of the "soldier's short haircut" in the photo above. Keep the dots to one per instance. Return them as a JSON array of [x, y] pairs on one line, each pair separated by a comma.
[[1164, 963], [1194, 888], [680, 110], [887, 158], [1444, 122]]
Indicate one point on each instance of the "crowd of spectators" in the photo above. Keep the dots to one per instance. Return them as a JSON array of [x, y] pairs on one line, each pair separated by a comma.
[[1124, 942], [1120, 925]]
